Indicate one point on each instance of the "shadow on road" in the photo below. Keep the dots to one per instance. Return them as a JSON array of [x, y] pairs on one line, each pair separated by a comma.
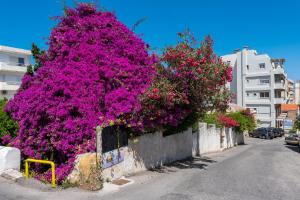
[[293, 148], [190, 163]]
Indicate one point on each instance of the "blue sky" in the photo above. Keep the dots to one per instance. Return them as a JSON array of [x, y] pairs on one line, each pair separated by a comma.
[[271, 27]]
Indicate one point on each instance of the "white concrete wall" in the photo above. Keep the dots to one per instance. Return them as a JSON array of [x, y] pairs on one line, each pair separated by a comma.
[[211, 139], [10, 158], [207, 139], [154, 150]]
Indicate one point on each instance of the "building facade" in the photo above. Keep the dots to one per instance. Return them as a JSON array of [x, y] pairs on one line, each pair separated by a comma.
[[290, 92], [13, 62], [260, 84], [297, 92]]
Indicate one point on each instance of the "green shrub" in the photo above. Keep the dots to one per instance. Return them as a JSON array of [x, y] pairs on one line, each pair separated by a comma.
[[245, 120], [7, 125], [212, 119]]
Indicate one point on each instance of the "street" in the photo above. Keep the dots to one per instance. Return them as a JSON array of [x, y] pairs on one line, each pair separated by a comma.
[[261, 169]]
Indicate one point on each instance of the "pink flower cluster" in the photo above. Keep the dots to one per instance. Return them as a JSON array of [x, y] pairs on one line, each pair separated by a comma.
[[227, 121], [93, 73]]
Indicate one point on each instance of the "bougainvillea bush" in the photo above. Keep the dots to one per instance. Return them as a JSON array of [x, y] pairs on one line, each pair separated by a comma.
[[227, 121], [192, 82], [93, 72]]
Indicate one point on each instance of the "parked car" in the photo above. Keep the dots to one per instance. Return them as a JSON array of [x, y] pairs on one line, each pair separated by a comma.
[[292, 139], [273, 131], [265, 133], [254, 133], [280, 132]]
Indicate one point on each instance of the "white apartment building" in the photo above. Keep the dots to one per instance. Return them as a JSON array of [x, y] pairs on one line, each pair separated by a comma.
[[297, 92], [260, 83], [291, 92], [13, 62]]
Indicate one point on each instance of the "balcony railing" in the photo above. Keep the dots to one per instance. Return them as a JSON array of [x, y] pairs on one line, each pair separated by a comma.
[[16, 64], [13, 68], [279, 85], [13, 82], [6, 86], [279, 100]]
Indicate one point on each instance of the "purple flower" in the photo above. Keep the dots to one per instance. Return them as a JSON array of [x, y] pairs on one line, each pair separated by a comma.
[[94, 67]]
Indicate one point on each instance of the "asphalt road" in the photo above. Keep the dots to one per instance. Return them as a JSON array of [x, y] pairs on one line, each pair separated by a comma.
[[262, 169]]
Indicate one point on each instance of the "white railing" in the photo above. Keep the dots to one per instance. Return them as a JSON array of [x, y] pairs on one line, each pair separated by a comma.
[[280, 100], [15, 68], [279, 85], [5, 86]]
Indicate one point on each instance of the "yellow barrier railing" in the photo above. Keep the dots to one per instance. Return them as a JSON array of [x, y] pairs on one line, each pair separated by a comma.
[[29, 160]]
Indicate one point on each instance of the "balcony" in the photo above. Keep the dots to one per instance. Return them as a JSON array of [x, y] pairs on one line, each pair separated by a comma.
[[258, 87], [261, 101], [279, 100], [10, 86], [279, 70], [279, 85], [264, 119], [13, 67]]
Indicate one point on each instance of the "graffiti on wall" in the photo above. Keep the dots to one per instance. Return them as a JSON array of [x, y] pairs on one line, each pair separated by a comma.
[[113, 157]]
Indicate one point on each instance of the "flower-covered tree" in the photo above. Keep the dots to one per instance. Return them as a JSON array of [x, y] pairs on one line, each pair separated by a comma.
[[192, 81], [93, 73]]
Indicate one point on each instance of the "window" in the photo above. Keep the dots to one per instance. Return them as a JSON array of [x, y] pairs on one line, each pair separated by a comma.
[[247, 67], [247, 80], [21, 61], [262, 66], [264, 81], [264, 95], [4, 92], [254, 94], [247, 94]]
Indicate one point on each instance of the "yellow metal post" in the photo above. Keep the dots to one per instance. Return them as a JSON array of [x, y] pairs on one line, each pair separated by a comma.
[[53, 175], [27, 161], [26, 170]]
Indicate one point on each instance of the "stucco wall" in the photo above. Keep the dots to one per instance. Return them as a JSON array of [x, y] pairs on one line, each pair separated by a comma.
[[206, 139], [209, 139], [152, 150]]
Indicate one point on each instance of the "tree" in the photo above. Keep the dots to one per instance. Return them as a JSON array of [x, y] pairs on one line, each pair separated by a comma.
[[92, 74], [37, 54], [191, 82]]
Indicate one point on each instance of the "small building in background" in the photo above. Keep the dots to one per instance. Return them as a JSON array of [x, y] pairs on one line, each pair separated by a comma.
[[288, 115], [13, 62]]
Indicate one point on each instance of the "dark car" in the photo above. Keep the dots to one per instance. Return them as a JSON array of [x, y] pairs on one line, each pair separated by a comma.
[[279, 132], [254, 133], [264, 133], [273, 132], [292, 139]]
